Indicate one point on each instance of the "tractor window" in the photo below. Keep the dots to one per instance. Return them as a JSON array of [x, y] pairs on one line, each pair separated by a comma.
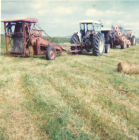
[[89, 27], [82, 29], [97, 28], [13, 28], [81, 26]]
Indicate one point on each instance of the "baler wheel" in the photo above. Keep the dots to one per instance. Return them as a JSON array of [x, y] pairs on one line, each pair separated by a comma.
[[50, 53]]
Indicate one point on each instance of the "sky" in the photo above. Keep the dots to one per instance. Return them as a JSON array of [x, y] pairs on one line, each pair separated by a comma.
[[62, 17]]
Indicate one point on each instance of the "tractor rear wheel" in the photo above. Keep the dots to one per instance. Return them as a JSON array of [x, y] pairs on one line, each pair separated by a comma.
[[75, 40], [98, 45], [107, 48], [50, 53]]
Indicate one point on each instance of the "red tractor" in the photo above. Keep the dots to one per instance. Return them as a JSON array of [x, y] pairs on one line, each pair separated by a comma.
[[24, 38], [122, 37]]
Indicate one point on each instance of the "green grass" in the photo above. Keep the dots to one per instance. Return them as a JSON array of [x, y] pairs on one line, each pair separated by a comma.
[[75, 97], [58, 39]]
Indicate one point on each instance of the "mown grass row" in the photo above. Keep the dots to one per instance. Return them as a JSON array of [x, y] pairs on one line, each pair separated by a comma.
[[74, 97], [56, 117]]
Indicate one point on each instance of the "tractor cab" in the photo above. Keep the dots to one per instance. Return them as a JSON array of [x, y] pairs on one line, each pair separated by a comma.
[[17, 34], [89, 27], [91, 39]]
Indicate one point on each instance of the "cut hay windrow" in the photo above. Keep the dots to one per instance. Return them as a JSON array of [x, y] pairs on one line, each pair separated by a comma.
[[128, 68]]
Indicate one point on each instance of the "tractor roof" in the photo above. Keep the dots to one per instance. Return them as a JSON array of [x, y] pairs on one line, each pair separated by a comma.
[[31, 20], [90, 21], [106, 29]]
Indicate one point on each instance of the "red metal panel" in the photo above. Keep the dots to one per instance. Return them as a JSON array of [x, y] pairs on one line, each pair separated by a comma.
[[26, 20], [6, 42], [35, 38], [24, 36]]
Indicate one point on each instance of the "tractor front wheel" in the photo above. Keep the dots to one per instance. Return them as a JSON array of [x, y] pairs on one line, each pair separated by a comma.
[[50, 53], [98, 45]]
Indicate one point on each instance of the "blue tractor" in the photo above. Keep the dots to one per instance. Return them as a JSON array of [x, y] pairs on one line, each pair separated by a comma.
[[91, 38]]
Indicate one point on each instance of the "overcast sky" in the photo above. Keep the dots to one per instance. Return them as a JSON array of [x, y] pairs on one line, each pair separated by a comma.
[[62, 17]]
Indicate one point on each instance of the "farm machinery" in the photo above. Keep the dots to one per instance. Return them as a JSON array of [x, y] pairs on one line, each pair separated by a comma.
[[90, 39], [120, 36], [24, 38]]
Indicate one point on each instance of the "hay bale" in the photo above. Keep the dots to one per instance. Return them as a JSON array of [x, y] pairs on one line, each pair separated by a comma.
[[128, 68]]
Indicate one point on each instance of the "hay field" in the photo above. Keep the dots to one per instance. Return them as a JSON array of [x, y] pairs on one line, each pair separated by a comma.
[[75, 97]]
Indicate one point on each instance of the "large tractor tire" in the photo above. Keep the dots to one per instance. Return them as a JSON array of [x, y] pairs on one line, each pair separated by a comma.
[[133, 40], [98, 44], [50, 53], [107, 48], [75, 40]]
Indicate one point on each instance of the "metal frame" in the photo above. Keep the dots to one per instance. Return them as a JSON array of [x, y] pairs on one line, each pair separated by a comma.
[[7, 43]]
